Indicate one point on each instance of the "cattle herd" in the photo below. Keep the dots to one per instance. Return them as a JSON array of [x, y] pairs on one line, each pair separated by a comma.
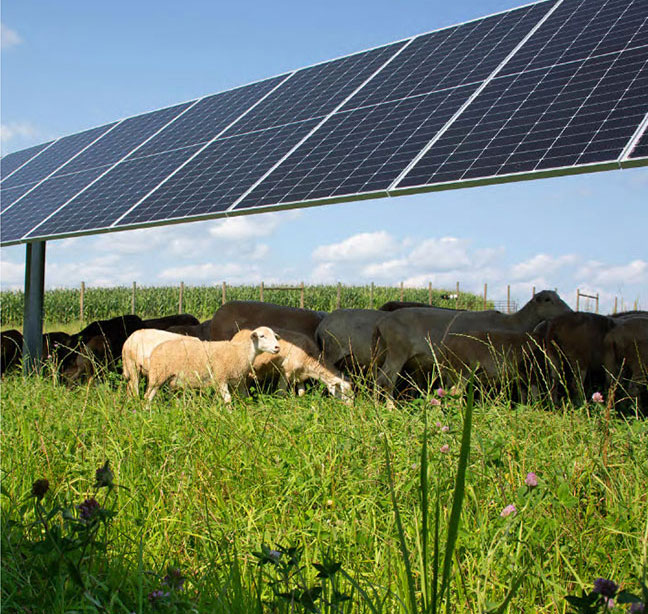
[[546, 350]]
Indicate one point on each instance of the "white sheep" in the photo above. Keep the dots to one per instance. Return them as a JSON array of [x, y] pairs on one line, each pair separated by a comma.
[[190, 362], [296, 362], [136, 354]]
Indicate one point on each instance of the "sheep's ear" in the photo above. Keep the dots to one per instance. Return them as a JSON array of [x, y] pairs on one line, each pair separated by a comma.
[[277, 336], [254, 336]]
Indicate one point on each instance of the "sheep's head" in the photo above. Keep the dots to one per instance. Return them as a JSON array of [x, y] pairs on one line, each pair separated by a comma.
[[265, 340]]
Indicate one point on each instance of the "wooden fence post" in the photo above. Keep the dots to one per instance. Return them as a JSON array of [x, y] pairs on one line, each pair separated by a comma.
[[402, 294], [338, 299], [485, 294], [508, 298], [133, 298], [429, 293], [457, 297], [615, 305], [577, 298], [224, 294], [261, 292], [180, 297], [371, 296], [597, 302], [81, 302], [301, 294]]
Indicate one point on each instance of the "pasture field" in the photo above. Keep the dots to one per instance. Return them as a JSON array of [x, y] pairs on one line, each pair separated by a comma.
[[199, 489]]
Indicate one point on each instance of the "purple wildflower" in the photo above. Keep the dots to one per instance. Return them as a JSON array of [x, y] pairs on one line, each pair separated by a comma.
[[637, 608], [597, 397], [509, 510], [445, 428], [88, 508], [605, 587], [435, 402], [174, 579], [438, 425], [445, 448], [531, 480], [104, 476], [440, 392], [155, 596]]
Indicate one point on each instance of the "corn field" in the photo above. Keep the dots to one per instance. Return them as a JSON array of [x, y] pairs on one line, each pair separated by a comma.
[[63, 305]]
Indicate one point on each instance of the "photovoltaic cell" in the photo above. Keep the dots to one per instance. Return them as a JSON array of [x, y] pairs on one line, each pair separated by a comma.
[[451, 57], [366, 150], [114, 193], [216, 178], [550, 116], [54, 157], [208, 117], [121, 140], [8, 196], [361, 150], [10, 162], [42, 201], [314, 92]]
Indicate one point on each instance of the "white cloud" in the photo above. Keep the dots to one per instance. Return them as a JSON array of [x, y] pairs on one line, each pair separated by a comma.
[[388, 270], [10, 38], [635, 272], [12, 274], [444, 254], [209, 273], [250, 226], [359, 247], [13, 130], [541, 265]]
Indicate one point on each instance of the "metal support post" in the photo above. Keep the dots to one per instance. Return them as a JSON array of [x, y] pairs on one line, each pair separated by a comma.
[[33, 313]]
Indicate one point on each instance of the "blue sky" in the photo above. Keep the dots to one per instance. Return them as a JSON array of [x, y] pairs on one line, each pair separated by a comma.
[[67, 66]]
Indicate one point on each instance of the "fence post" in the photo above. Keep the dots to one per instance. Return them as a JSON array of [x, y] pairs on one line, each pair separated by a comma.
[[508, 298], [338, 299], [429, 293], [261, 292], [301, 294], [371, 296], [597, 302], [457, 295], [402, 293], [485, 294], [577, 298], [615, 305], [133, 298], [533, 291], [81, 302], [224, 294], [180, 296]]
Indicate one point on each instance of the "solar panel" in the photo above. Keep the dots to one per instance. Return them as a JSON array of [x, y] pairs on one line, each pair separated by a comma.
[[13, 161], [572, 96], [554, 87]]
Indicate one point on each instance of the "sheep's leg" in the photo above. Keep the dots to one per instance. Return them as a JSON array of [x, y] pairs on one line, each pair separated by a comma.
[[151, 391], [225, 393], [131, 374]]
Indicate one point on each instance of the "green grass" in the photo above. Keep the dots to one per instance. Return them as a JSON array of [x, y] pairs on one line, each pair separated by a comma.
[[200, 487]]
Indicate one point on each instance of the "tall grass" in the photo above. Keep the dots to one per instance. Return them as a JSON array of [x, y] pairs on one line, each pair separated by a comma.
[[200, 488]]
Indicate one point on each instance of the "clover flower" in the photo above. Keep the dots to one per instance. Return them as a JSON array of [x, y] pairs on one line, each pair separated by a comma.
[[597, 397], [174, 579], [509, 510], [435, 402], [39, 488], [605, 587], [157, 595], [104, 476], [88, 508], [445, 428], [531, 479], [445, 448], [440, 392]]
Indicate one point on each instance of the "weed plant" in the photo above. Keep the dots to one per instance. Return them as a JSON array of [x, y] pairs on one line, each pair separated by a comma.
[[309, 505]]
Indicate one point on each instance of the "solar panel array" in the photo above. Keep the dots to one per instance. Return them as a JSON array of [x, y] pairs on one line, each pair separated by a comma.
[[555, 87]]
